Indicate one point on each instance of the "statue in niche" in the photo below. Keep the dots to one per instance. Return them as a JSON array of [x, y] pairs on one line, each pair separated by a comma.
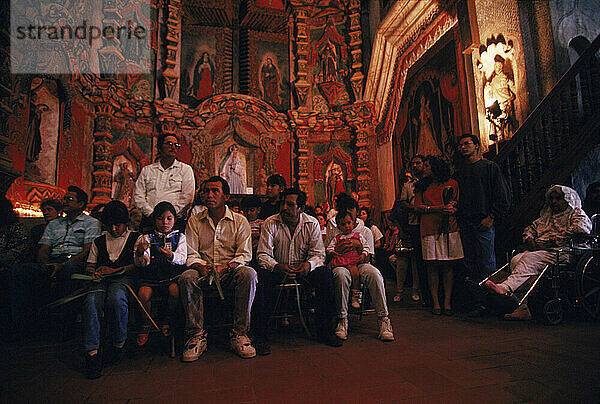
[[233, 170], [426, 144], [203, 78], [499, 99], [125, 180], [329, 60], [334, 180], [269, 149], [270, 79], [197, 146]]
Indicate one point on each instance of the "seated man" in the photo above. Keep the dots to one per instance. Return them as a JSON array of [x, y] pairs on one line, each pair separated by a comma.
[[66, 242], [368, 274], [560, 219], [291, 248], [218, 242]]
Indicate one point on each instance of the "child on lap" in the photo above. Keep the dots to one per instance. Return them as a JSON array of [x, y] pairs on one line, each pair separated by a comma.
[[349, 260]]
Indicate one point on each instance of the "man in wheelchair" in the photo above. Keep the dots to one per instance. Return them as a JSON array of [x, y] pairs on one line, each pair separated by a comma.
[[560, 220]]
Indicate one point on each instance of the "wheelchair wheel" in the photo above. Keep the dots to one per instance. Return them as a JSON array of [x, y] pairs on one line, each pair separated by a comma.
[[553, 312], [589, 284]]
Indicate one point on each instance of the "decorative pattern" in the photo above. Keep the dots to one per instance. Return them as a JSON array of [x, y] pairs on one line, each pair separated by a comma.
[[171, 76], [356, 79], [102, 175]]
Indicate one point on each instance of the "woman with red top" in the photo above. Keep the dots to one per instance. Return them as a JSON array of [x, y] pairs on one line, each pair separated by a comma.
[[436, 197]]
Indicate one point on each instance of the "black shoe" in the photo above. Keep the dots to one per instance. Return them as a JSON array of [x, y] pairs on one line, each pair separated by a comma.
[[262, 346], [331, 339], [479, 311], [115, 356], [93, 366]]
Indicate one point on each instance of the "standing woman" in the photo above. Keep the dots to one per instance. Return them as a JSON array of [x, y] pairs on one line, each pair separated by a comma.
[[436, 197]]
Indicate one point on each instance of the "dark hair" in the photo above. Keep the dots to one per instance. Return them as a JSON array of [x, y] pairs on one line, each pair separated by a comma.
[[250, 201], [55, 203], [277, 179], [160, 139], [300, 201], [369, 220], [440, 171], [233, 203], [345, 201], [473, 138], [7, 213], [342, 214], [161, 208], [321, 214], [96, 211], [115, 212], [223, 181], [591, 187], [417, 156], [310, 210], [82, 197]]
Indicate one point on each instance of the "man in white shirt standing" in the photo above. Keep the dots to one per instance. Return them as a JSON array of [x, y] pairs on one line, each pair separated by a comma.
[[166, 180], [291, 248], [219, 243]]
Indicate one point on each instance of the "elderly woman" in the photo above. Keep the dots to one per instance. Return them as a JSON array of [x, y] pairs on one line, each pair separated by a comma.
[[560, 219]]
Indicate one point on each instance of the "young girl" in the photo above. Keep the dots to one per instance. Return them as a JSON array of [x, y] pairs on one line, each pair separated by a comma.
[[345, 224], [163, 254]]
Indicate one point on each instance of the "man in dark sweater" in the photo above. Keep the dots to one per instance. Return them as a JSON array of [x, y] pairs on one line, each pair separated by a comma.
[[484, 196]]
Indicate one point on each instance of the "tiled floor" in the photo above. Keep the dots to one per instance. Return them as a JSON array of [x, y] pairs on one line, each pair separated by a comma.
[[433, 360]]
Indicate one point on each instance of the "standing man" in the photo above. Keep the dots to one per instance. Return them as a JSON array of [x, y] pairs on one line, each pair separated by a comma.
[[166, 180], [484, 196], [275, 186], [66, 242], [219, 241], [291, 248]]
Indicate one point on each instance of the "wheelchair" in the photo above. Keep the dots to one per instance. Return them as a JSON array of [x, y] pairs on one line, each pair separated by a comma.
[[570, 282]]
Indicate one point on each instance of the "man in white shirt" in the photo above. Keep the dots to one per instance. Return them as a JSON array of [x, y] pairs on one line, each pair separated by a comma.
[[369, 275], [291, 248], [166, 180], [219, 244]]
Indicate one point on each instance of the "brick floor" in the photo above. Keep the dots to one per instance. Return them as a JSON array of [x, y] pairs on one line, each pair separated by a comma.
[[433, 360]]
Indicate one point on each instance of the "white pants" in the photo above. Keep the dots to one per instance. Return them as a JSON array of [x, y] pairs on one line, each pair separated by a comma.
[[524, 265]]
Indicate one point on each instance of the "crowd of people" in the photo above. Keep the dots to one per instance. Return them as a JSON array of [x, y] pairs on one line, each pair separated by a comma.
[[183, 241]]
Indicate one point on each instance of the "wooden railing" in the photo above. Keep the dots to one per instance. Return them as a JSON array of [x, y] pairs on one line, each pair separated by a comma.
[[554, 138]]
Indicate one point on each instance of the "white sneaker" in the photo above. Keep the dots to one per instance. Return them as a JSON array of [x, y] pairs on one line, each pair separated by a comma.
[[194, 347], [385, 330], [242, 346], [341, 331]]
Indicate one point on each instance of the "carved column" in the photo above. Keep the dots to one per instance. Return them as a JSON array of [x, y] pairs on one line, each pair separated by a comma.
[[301, 85], [356, 79], [170, 75], [299, 123], [102, 175], [360, 117]]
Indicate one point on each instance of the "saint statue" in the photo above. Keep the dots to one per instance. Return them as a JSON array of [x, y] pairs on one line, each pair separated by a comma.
[[329, 63], [335, 182], [426, 143], [270, 79], [125, 181], [233, 171], [499, 101]]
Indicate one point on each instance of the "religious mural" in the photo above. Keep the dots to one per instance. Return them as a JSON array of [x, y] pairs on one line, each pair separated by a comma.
[[332, 171], [428, 119], [199, 56], [269, 77]]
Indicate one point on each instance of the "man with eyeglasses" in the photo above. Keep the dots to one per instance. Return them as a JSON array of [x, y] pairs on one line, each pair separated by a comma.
[[66, 242], [166, 180]]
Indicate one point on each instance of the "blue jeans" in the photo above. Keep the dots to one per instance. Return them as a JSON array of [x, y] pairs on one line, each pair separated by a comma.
[[114, 295], [478, 246]]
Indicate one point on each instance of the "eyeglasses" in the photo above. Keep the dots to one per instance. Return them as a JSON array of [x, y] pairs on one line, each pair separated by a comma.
[[171, 144], [68, 198]]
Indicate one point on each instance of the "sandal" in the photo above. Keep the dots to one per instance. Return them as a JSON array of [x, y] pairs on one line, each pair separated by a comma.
[[436, 312], [415, 295]]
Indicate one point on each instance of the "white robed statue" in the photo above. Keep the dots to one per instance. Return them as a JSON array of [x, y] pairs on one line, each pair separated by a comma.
[[234, 171]]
